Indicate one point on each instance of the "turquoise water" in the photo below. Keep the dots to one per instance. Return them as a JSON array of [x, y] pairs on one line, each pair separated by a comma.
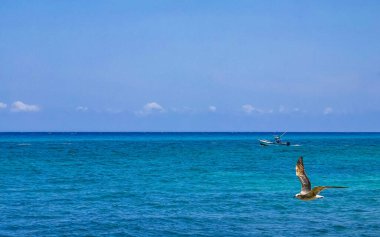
[[181, 184]]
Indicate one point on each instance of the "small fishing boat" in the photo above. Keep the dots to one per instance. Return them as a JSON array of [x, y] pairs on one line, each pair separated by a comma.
[[277, 141], [264, 142]]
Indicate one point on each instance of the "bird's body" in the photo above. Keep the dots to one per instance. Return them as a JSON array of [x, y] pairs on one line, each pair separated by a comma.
[[308, 194], [308, 197]]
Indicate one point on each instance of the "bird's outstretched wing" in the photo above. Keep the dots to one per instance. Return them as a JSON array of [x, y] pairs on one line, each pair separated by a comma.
[[300, 172], [318, 189]]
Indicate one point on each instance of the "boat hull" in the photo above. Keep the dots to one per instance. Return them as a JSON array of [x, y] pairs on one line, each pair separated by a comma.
[[269, 143]]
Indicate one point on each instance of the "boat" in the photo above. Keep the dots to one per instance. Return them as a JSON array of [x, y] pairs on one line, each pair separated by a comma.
[[277, 141], [264, 142]]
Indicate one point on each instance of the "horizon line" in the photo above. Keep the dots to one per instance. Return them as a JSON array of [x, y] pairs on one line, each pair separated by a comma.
[[188, 132]]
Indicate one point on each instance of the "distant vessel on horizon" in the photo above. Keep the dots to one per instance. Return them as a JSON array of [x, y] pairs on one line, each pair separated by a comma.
[[276, 142]]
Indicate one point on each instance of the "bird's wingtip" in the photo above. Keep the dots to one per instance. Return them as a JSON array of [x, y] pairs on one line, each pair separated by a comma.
[[337, 187]]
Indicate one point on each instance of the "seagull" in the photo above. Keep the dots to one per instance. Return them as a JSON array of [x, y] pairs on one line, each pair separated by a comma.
[[308, 194]]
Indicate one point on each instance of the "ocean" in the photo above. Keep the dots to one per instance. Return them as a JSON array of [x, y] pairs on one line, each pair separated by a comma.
[[186, 184]]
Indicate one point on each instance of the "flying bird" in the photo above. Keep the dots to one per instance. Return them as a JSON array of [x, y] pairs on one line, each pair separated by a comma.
[[308, 194]]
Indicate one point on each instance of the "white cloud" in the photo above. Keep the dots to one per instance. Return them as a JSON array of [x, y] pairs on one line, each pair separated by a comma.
[[327, 110], [3, 105], [212, 108], [20, 106], [151, 108], [81, 108], [284, 110], [249, 109]]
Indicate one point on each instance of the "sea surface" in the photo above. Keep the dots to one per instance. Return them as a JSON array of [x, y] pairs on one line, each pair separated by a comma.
[[186, 184]]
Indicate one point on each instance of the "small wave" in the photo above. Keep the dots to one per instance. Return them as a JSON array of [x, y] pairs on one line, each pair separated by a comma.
[[296, 145], [24, 144]]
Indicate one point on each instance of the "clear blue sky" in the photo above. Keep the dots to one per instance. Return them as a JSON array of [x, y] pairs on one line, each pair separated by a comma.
[[189, 65]]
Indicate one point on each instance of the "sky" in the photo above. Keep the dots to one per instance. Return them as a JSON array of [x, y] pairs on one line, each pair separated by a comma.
[[190, 66]]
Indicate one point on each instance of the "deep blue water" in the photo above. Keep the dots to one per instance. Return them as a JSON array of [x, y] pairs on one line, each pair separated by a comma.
[[181, 184]]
